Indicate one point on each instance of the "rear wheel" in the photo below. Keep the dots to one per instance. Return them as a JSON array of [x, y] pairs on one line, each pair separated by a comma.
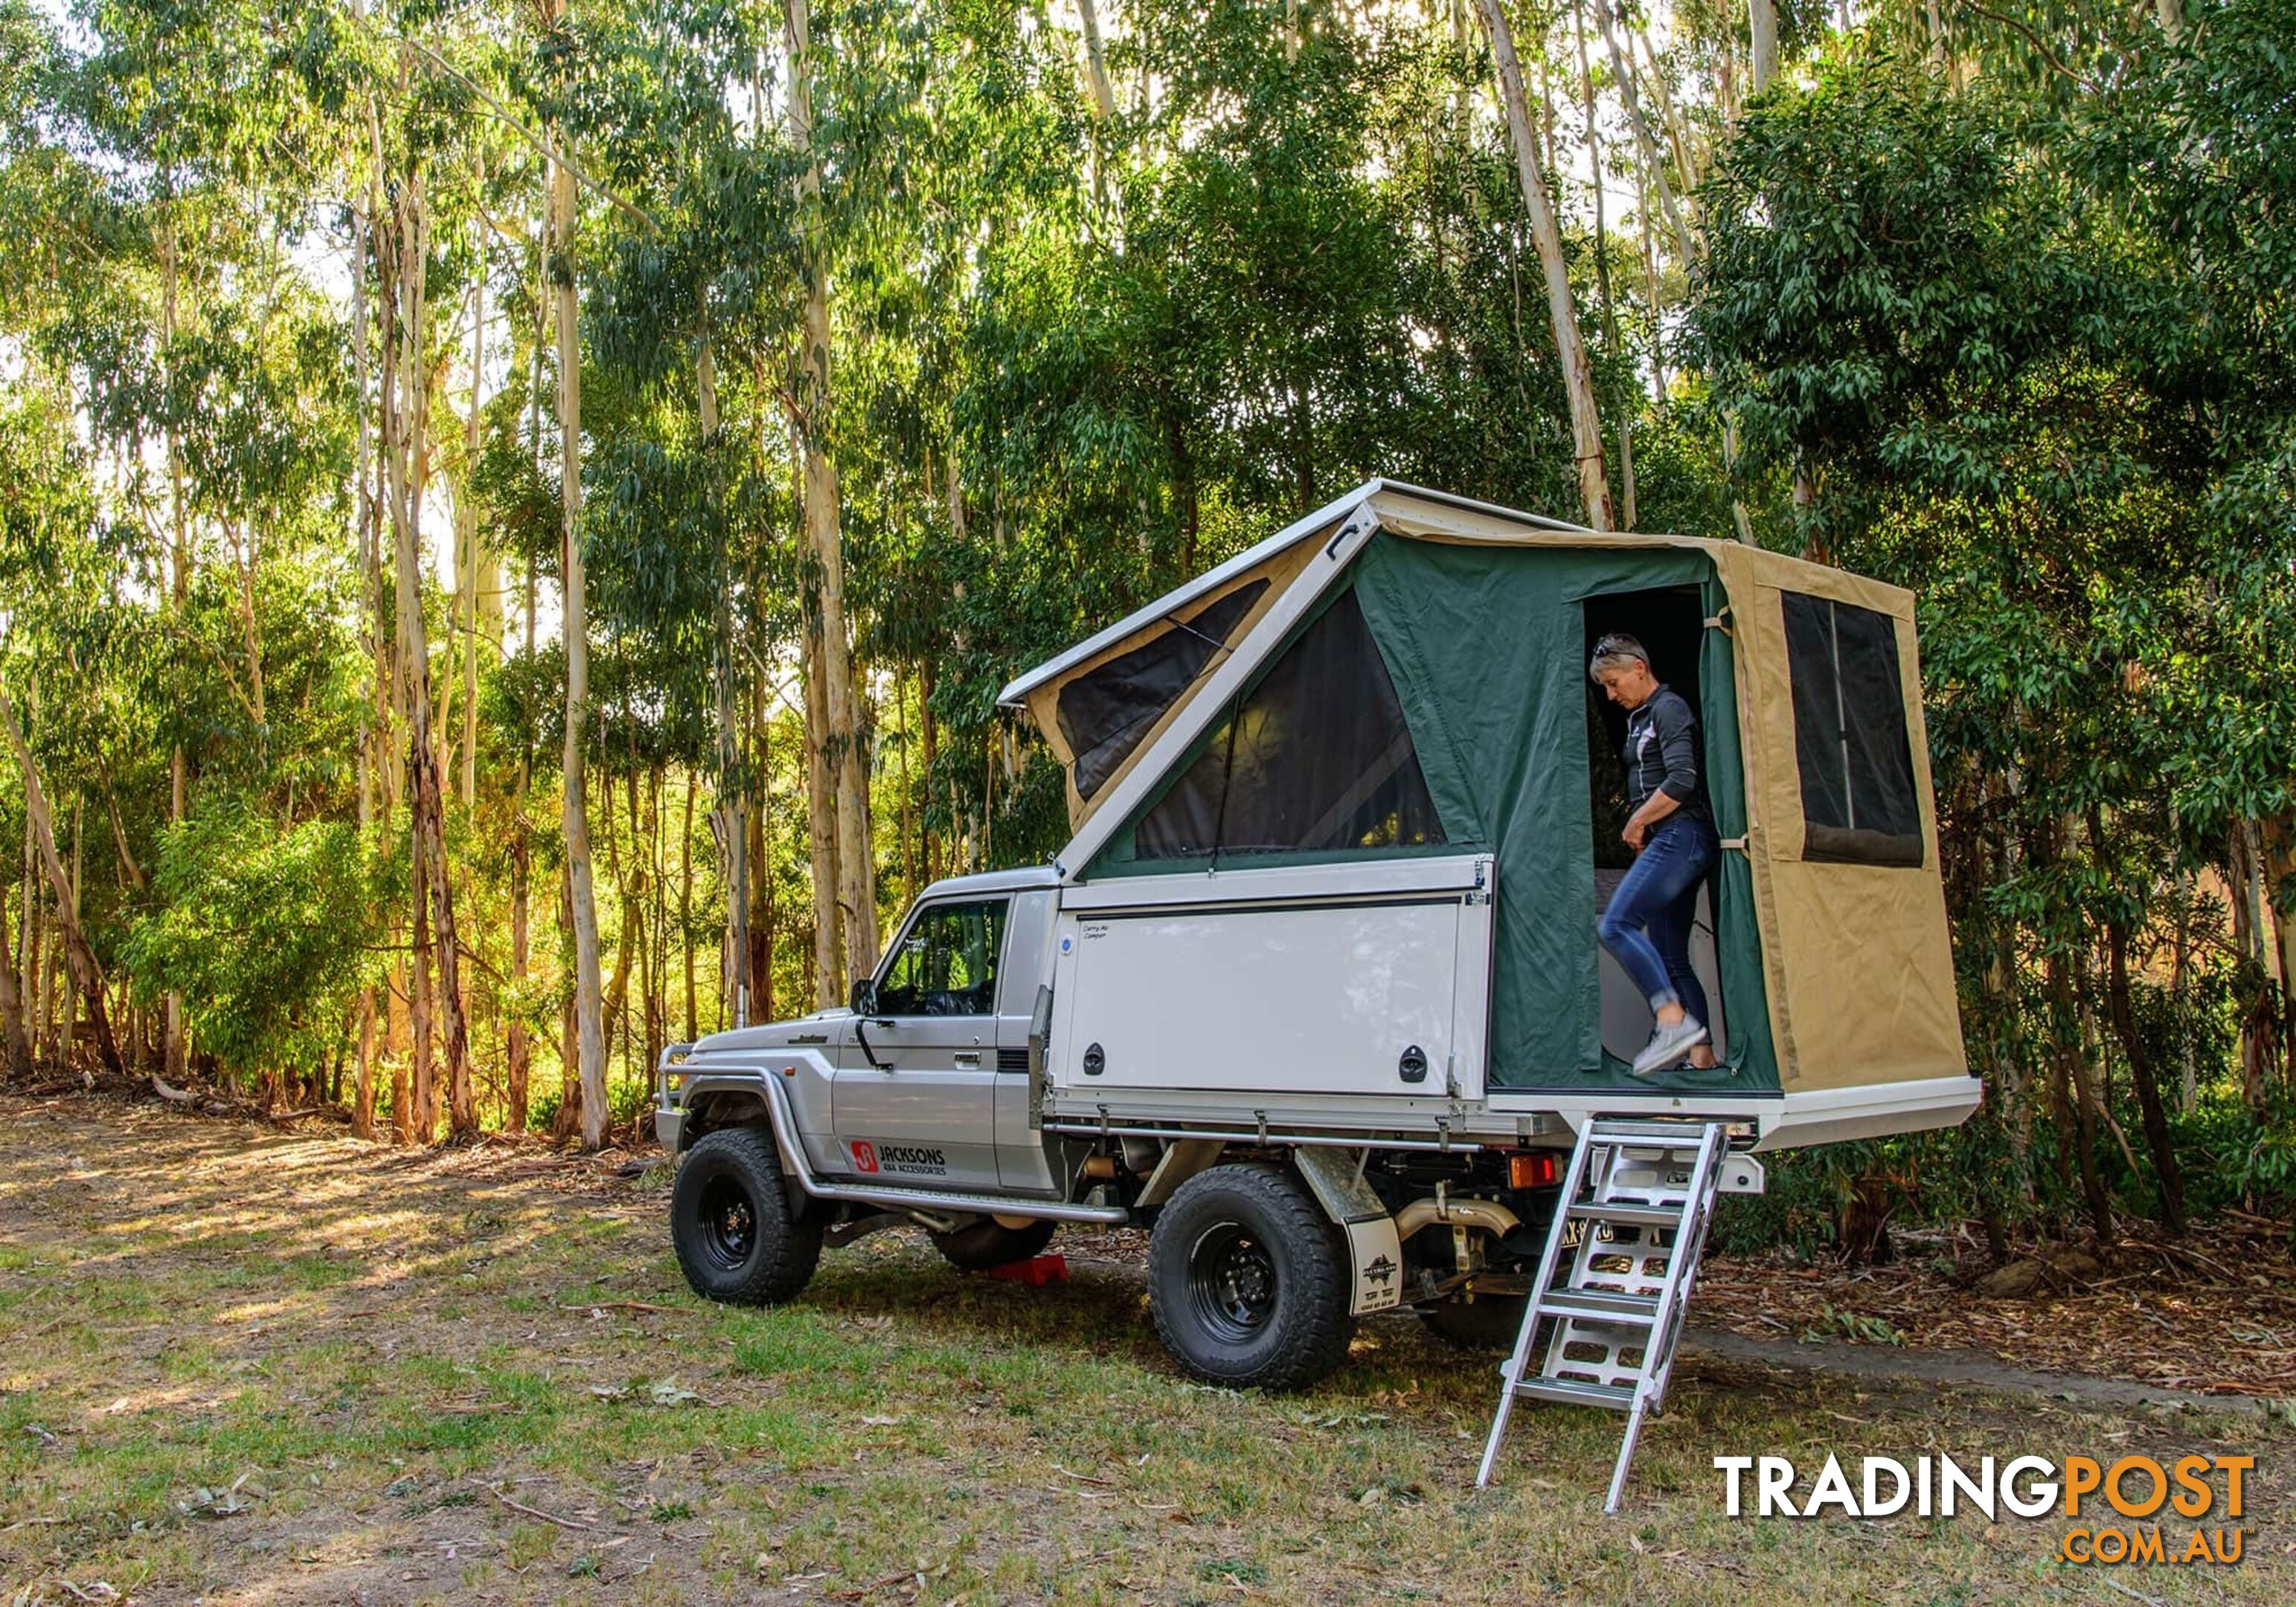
[[730, 1219], [978, 1246], [1247, 1280]]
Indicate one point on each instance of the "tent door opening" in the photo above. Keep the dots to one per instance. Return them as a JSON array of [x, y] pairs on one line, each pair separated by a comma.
[[1670, 623]]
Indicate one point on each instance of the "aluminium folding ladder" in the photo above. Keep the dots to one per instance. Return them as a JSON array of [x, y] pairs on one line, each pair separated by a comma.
[[1638, 1197]]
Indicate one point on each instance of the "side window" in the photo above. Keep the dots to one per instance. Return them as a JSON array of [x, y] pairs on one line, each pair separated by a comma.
[[1850, 741], [947, 962], [1317, 759]]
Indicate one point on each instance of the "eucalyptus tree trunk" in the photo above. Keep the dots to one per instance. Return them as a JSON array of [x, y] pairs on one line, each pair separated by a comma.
[[1546, 235], [1626, 421], [176, 1053], [1762, 25], [1103, 95], [685, 910], [466, 516], [77, 954], [1678, 130], [2145, 1076], [2259, 1027], [369, 507], [401, 274], [854, 887], [729, 821], [1645, 143], [763, 909], [2276, 862], [68, 1016], [581, 894], [18, 1043], [820, 764], [2077, 1102], [517, 1055], [821, 831]]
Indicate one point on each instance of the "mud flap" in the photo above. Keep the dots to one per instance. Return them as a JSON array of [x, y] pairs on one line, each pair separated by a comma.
[[1374, 1253]]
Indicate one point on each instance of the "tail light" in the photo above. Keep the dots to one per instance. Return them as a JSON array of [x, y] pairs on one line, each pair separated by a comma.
[[1533, 1169]]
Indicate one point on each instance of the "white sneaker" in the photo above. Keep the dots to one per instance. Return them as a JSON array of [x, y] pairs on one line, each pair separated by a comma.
[[1669, 1044]]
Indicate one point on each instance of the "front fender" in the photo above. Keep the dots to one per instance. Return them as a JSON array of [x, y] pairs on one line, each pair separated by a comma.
[[792, 1089]]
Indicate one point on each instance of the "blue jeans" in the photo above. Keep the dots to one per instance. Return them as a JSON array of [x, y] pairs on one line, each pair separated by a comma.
[[1647, 925]]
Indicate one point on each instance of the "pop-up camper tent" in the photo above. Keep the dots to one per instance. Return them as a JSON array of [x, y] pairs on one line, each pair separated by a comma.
[[1403, 674]]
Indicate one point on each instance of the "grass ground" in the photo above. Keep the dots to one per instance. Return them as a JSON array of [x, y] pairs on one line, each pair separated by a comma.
[[240, 1366]]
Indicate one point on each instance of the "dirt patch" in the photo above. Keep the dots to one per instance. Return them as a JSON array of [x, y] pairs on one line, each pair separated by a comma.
[[242, 1365], [2212, 1313]]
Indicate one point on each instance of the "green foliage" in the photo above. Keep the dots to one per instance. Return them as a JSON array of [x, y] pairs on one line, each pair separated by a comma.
[[2013, 328], [267, 928]]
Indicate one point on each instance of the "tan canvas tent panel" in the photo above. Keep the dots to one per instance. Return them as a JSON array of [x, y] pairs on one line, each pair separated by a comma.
[[1859, 957]]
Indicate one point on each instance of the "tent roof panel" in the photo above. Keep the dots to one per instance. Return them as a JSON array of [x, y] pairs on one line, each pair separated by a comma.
[[1394, 496], [1017, 691]]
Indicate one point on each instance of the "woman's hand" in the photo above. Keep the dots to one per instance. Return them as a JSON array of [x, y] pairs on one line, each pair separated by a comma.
[[1656, 807]]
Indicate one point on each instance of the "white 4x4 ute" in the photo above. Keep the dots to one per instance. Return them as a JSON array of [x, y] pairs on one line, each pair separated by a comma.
[[1314, 992]]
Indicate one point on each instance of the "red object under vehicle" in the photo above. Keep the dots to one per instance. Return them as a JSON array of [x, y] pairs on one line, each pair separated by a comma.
[[1035, 1272]]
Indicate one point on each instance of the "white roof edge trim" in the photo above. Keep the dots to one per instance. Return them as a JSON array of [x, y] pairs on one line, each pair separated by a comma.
[[1018, 689], [1404, 489]]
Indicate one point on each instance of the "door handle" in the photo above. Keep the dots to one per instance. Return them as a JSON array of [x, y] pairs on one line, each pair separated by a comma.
[[969, 1057]]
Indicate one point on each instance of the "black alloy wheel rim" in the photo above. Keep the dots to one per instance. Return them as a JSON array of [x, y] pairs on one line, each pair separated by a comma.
[[1232, 1284], [729, 1224]]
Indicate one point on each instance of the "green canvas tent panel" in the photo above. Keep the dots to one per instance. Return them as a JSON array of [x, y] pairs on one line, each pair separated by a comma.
[[1484, 649], [1487, 648]]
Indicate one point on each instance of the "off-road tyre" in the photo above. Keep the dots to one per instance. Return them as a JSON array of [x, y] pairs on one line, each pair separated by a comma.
[[1247, 1280], [730, 1219], [1492, 1322], [978, 1246]]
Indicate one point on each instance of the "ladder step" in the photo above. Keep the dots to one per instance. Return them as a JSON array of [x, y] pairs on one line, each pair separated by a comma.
[[1599, 1306], [1630, 1215], [1687, 1136], [1571, 1392]]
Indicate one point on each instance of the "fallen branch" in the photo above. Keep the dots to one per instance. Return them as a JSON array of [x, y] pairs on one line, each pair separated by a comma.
[[2134, 1595], [536, 1511], [174, 1097]]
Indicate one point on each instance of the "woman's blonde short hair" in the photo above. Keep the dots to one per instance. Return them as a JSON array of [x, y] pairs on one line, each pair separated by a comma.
[[1615, 650]]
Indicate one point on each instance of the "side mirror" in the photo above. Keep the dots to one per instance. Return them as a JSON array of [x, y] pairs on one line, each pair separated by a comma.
[[863, 997]]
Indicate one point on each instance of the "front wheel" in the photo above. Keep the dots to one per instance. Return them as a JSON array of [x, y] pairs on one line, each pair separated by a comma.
[[1248, 1281], [730, 1219]]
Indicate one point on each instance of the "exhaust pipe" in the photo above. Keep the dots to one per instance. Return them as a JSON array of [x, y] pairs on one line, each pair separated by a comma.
[[1488, 1215]]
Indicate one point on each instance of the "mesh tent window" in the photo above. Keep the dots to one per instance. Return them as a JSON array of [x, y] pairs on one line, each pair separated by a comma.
[[1106, 712], [1850, 741], [1316, 758]]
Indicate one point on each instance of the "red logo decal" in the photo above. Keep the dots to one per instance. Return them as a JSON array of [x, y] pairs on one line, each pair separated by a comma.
[[864, 1155]]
